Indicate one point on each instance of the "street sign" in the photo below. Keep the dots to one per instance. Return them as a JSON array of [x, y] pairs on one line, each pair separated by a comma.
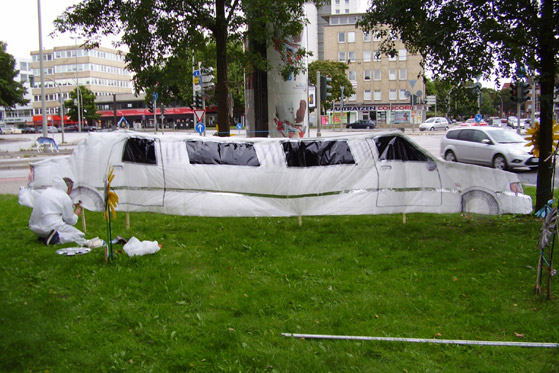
[[431, 100], [200, 127], [239, 126], [197, 80], [478, 118], [155, 96], [199, 113]]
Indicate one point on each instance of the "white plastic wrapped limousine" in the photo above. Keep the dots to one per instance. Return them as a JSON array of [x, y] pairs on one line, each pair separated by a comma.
[[376, 173]]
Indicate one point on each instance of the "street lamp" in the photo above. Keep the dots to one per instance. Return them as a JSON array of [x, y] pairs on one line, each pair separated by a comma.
[[78, 93], [60, 98], [43, 103]]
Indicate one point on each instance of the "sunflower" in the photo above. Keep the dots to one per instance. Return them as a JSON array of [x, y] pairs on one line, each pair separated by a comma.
[[111, 198], [534, 136]]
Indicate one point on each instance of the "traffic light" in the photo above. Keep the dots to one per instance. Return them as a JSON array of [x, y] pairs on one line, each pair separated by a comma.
[[198, 101], [325, 88], [524, 91], [150, 106], [513, 92]]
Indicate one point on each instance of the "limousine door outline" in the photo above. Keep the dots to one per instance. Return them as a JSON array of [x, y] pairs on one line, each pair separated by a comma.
[[139, 172], [407, 176]]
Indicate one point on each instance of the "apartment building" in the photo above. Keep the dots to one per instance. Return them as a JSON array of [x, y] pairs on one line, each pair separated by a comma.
[[101, 70], [383, 84], [20, 114]]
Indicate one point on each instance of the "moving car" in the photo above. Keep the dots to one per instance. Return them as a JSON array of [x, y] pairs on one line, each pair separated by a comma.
[[434, 123], [373, 173], [362, 123], [499, 148], [473, 122]]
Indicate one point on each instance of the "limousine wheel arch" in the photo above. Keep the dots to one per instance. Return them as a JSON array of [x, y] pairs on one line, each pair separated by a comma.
[[480, 202], [89, 196]]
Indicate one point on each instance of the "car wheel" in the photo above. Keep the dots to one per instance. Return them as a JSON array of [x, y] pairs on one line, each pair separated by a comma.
[[450, 157], [499, 162], [446, 128], [432, 129], [479, 202]]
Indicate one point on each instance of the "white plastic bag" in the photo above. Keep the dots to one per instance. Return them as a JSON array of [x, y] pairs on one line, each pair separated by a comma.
[[137, 247]]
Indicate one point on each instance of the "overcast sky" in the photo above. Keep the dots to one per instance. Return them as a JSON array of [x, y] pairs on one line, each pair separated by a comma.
[[19, 25]]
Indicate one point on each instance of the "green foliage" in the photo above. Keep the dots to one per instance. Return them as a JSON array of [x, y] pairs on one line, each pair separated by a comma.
[[336, 71], [468, 39], [11, 91], [87, 105], [171, 28], [222, 290]]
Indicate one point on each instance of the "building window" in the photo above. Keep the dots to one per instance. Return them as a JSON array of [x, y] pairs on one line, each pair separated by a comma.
[[341, 57], [366, 36], [403, 74], [392, 95], [376, 56], [352, 76], [341, 37], [366, 75], [353, 97], [366, 56], [403, 55], [378, 95], [403, 94], [391, 58], [377, 74], [351, 56], [392, 74], [367, 95], [376, 36], [351, 37]]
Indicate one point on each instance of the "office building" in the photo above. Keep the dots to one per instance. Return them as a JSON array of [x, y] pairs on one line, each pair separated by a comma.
[[101, 70], [383, 85]]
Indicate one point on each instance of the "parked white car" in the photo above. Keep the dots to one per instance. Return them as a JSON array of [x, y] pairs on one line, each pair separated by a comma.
[[500, 148], [375, 173], [434, 123]]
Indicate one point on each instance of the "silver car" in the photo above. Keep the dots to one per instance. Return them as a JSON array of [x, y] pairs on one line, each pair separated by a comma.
[[487, 146], [435, 123]]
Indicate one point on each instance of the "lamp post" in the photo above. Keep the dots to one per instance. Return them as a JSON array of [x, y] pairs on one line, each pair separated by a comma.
[[43, 103], [61, 107], [78, 93]]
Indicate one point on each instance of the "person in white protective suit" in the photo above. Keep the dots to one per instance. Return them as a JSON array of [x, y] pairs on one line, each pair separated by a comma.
[[54, 215]]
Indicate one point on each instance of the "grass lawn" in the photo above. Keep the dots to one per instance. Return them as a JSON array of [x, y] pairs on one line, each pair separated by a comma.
[[222, 290]]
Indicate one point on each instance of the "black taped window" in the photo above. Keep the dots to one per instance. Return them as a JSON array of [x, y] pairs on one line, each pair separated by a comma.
[[139, 150], [210, 152], [317, 153], [396, 148]]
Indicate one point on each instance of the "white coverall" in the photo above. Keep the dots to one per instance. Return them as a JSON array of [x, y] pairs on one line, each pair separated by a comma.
[[54, 209]]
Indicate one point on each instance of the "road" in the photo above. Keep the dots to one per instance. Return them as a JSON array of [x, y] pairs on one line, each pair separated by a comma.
[[16, 153]]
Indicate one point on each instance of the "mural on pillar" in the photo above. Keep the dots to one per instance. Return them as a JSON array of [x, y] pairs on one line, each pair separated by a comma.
[[287, 95]]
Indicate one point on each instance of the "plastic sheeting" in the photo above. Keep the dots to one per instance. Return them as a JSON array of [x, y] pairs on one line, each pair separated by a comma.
[[376, 173]]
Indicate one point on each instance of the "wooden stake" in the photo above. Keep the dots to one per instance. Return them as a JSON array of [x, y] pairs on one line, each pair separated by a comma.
[[83, 221], [127, 220], [300, 221]]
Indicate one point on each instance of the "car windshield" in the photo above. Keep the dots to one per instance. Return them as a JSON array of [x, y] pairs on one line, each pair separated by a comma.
[[506, 137]]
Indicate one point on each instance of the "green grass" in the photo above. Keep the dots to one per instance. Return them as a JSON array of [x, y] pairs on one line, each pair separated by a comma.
[[222, 290]]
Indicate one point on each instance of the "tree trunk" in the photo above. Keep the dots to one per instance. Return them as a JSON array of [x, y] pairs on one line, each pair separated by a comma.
[[548, 69], [223, 119]]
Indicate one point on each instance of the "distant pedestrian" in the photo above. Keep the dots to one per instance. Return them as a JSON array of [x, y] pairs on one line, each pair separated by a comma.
[[54, 215]]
